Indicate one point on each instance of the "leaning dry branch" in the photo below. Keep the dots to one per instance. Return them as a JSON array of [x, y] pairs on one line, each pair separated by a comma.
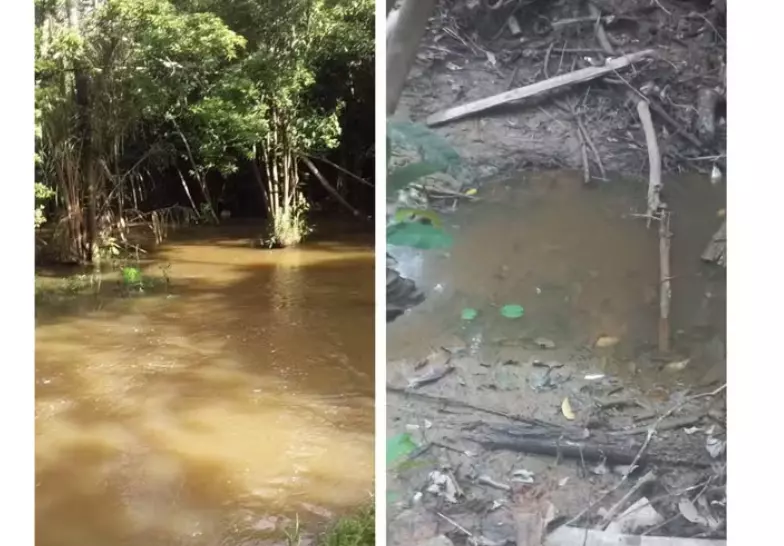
[[654, 159], [343, 170], [328, 187], [528, 91], [402, 43], [716, 251]]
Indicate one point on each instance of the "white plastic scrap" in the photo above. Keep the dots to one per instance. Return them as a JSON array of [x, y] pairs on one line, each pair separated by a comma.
[[716, 175], [441, 485], [594, 376], [715, 446], [523, 476], [693, 514], [638, 516]]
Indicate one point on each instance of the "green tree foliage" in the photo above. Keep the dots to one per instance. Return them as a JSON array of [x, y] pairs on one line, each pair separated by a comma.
[[130, 86]]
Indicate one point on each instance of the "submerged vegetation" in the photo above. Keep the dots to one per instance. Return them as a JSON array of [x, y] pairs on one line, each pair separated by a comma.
[[149, 112]]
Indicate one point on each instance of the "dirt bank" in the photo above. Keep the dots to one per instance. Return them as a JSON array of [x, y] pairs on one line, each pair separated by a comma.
[[472, 52]]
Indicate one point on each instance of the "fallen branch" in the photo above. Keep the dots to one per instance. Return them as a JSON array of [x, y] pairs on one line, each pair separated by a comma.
[[590, 451], [344, 171], [556, 82], [332, 191], [569, 536], [716, 251]]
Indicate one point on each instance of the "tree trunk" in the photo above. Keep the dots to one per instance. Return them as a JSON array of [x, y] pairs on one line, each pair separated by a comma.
[[82, 99]]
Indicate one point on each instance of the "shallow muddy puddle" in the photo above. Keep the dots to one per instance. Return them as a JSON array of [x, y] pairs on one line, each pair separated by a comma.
[[214, 413], [580, 261]]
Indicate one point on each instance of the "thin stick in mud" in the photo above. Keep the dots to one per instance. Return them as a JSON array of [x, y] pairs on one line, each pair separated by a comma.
[[665, 288]]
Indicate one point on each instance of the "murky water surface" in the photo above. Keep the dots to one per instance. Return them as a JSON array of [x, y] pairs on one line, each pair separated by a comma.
[[580, 261], [209, 414]]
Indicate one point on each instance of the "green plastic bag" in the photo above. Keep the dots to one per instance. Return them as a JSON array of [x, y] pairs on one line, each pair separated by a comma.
[[398, 447]]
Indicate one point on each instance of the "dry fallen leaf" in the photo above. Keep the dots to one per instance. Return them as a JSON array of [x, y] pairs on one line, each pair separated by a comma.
[[606, 341], [566, 409]]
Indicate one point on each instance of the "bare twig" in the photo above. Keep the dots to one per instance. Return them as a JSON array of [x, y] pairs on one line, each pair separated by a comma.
[[583, 154], [592, 146], [457, 526]]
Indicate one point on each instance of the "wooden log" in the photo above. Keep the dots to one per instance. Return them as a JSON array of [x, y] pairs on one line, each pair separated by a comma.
[[613, 453], [402, 44], [528, 91]]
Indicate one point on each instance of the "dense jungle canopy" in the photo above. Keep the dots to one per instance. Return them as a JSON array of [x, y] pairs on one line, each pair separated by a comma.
[[161, 112]]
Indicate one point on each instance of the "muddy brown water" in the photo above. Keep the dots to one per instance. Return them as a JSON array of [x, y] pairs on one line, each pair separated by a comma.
[[216, 411], [580, 261]]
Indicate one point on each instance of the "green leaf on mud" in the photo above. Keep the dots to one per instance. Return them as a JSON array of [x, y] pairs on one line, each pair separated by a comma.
[[418, 235], [398, 447], [512, 311]]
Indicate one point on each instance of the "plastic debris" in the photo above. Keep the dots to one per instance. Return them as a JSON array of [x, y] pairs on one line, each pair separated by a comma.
[[512, 311], [468, 314], [605, 342], [566, 409], [522, 476]]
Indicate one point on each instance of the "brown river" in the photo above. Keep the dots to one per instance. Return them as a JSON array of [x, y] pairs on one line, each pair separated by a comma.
[[213, 412]]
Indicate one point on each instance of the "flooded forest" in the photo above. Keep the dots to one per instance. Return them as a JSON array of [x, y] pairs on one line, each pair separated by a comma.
[[556, 273], [204, 272]]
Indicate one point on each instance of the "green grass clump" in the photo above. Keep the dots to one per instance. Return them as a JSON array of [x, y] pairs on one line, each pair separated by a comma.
[[358, 529]]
